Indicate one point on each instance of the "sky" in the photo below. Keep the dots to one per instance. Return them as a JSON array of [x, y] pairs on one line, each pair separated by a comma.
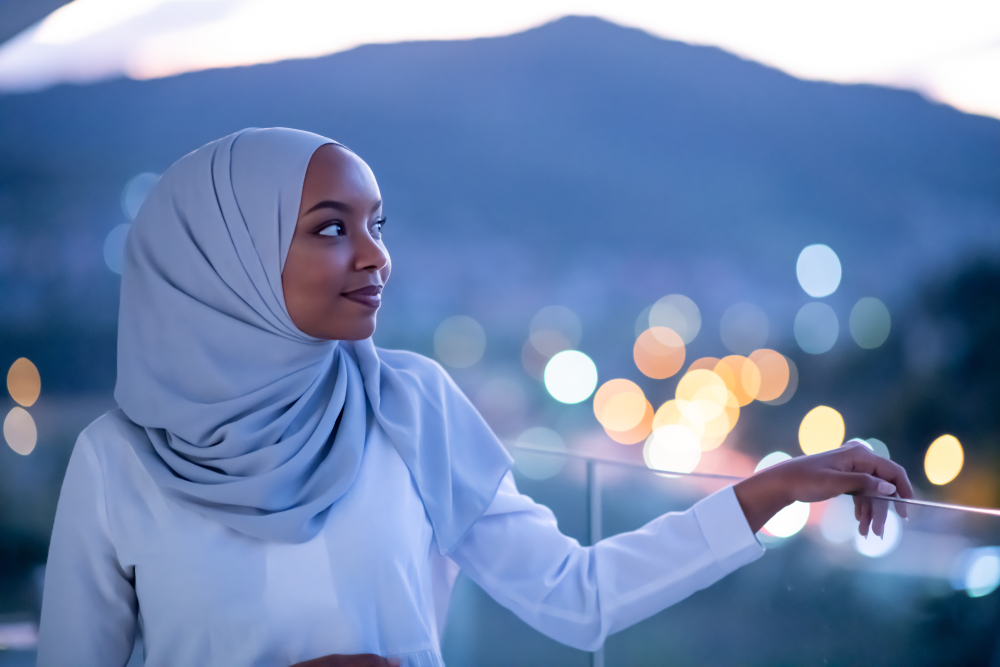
[[949, 50]]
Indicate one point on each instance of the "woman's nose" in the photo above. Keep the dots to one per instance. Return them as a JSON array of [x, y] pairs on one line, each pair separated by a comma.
[[369, 254]]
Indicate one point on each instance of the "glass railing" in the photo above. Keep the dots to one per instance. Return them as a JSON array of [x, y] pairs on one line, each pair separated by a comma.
[[924, 595]]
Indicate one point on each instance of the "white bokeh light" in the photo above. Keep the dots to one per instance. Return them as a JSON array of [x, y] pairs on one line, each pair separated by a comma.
[[838, 524], [672, 448], [816, 328], [983, 573], [818, 270], [677, 312], [874, 546], [771, 459], [114, 247], [789, 520], [135, 192], [570, 376], [538, 465], [459, 341], [869, 323]]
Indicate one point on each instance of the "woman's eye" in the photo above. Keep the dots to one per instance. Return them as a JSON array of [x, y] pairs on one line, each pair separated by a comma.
[[377, 228], [332, 230]]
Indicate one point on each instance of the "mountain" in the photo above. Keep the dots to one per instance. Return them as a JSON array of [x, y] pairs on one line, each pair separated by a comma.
[[579, 163]]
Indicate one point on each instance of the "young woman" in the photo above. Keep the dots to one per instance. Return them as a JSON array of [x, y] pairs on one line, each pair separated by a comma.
[[273, 489]]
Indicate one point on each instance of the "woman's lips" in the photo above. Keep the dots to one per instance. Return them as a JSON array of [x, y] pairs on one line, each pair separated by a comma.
[[370, 296]]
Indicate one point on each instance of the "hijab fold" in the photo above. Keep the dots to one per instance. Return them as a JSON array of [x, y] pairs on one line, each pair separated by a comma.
[[236, 413]]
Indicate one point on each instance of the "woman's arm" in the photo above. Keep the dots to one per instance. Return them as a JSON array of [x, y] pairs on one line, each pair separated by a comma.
[[578, 595], [89, 604]]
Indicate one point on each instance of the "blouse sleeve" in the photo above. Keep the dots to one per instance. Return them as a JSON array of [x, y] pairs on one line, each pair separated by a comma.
[[89, 604], [579, 595]]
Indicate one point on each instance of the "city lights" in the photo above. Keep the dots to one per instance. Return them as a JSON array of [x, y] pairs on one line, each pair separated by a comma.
[[944, 460], [24, 382], [821, 430], [818, 270], [816, 328], [570, 376], [459, 341]]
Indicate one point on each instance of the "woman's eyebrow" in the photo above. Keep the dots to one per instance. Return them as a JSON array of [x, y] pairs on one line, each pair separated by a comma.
[[329, 203], [339, 206]]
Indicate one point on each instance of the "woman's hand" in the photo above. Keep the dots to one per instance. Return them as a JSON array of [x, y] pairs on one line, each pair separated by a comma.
[[851, 469], [358, 660]]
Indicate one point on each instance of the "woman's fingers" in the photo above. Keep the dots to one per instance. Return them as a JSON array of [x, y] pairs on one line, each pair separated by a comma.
[[866, 511], [861, 459]]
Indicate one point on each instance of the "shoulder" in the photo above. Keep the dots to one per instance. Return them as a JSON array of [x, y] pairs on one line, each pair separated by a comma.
[[423, 369], [106, 438]]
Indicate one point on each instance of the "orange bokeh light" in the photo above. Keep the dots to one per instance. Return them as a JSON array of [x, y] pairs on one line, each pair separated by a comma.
[[636, 434], [620, 405], [742, 377], [705, 363], [659, 352], [774, 373]]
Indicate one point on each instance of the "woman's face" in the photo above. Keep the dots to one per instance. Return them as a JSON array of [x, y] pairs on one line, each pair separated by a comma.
[[336, 264]]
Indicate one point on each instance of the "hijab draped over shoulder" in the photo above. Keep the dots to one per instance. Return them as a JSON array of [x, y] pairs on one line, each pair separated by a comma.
[[235, 412]]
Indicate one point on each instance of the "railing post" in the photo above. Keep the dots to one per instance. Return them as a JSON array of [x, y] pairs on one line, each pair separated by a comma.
[[594, 516]]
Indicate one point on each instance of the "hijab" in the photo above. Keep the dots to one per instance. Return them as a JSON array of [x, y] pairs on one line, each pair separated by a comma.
[[235, 412]]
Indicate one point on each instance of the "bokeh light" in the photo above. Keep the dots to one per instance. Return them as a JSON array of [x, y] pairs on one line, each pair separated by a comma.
[[878, 447], [874, 546], [619, 405], [135, 192], [659, 352], [789, 391], [838, 524], [742, 377], [774, 458], [773, 368], [533, 361], [114, 247], [24, 382], [818, 270], [536, 465], [554, 329], [570, 376], [710, 408], [869, 323], [459, 341], [944, 459], [743, 328], [637, 433], [789, 520], [19, 431], [677, 312], [977, 571], [670, 414], [704, 363], [672, 448], [642, 321], [821, 430], [816, 328]]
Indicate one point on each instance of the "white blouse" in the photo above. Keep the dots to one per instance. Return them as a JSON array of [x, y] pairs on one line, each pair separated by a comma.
[[372, 581]]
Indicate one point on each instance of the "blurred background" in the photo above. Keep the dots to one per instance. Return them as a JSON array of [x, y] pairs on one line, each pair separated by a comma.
[[686, 238]]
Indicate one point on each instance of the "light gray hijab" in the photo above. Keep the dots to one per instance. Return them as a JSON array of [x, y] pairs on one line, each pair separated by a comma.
[[236, 413]]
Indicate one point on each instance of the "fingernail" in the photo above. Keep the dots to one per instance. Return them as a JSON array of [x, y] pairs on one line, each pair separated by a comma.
[[886, 489], [394, 662]]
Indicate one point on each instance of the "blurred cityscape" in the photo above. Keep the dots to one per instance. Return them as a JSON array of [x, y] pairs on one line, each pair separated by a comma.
[[622, 247]]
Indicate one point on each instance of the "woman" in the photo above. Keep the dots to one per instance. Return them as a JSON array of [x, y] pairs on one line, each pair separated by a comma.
[[273, 489]]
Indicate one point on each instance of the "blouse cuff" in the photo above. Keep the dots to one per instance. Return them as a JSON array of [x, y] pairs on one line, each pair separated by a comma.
[[726, 530]]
